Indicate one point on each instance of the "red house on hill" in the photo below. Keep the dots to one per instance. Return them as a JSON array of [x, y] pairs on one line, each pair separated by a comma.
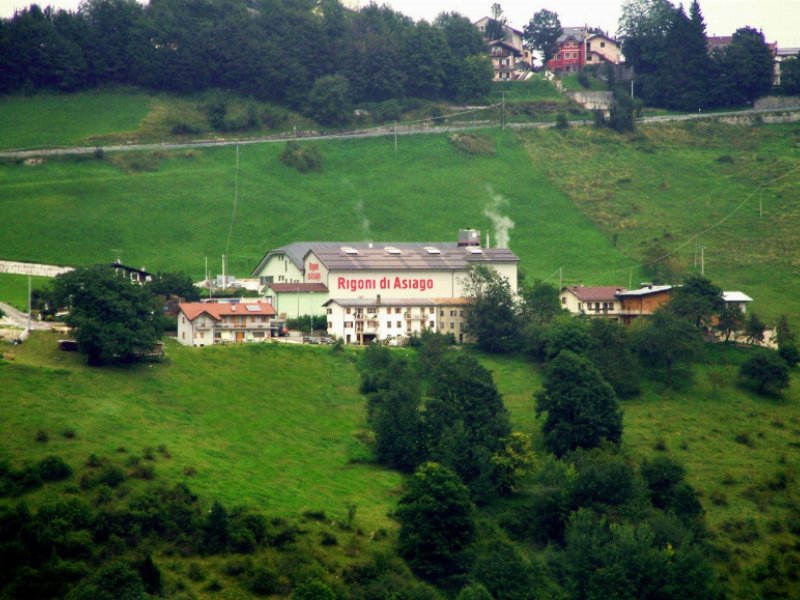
[[577, 48]]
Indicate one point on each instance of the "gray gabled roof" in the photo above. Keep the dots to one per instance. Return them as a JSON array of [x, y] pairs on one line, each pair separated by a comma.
[[374, 255], [577, 33]]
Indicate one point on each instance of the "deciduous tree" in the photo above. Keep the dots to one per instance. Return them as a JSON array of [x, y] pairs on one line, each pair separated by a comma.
[[490, 314], [437, 523], [114, 319], [766, 372], [542, 32], [581, 407]]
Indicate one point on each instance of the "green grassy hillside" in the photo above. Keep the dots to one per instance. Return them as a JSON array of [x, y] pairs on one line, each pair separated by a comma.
[[174, 209], [280, 428], [273, 426], [668, 183]]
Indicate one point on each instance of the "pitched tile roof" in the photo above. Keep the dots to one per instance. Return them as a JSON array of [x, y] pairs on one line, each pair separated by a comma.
[[217, 310], [298, 287], [597, 293], [374, 255]]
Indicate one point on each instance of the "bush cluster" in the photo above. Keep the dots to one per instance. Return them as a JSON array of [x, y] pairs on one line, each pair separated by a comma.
[[303, 157]]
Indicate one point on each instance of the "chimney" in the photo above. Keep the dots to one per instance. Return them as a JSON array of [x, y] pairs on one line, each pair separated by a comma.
[[379, 300], [469, 237]]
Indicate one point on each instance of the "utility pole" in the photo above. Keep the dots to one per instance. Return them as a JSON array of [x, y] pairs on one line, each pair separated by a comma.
[[29, 303], [503, 119], [560, 277], [631, 89], [224, 281], [702, 260], [208, 281], [395, 136]]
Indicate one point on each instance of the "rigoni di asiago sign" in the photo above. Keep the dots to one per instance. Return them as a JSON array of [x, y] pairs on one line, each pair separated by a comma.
[[384, 283]]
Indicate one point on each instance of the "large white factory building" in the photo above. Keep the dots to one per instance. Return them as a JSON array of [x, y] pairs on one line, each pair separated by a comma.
[[373, 290]]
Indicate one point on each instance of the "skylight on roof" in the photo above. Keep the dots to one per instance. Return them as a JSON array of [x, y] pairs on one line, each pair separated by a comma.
[[474, 250], [253, 307], [432, 250], [349, 250], [392, 250]]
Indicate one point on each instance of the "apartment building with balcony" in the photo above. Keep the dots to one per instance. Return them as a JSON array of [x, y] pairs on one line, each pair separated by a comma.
[[208, 323]]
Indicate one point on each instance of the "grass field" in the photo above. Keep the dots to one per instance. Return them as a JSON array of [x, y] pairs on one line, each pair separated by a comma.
[[14, 289], [668, 183], [278, 427], [172, 217], [69, 120], [270, 425]]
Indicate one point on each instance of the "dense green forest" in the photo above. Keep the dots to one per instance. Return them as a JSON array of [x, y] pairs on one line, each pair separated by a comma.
[[312, 56]]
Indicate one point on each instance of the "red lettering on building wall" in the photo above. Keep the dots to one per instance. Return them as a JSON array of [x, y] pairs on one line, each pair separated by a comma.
[[315, 276], [313, 266], [353, 285]]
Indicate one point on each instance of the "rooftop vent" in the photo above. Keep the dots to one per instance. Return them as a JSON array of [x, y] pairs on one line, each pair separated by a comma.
[[432, 250], [253, 307], [349, 250], [392, 250], [474, 250], [469, 237]]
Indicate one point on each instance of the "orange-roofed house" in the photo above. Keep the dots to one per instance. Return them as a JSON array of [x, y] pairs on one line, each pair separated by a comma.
[[207, 323]]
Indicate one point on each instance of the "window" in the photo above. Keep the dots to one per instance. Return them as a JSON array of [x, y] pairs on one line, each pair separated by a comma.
[[564, 300], [397, 311], [461, 313], [258, 334], [330, 324], [348, 324], [431, 310], [372, 310], [398, 324], [183, 320], [347, 311], [452, 325], [389, 324], [602, 44], [330, 311], [441, 313], [431, 324], [452, 313]]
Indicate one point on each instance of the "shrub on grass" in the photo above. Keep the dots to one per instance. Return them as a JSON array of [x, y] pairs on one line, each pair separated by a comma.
[[143, 472], [264, 581], [765, 372], [561, 121], [313, 589], [110, 475], [53, 468], [195, 572], [42, 437], [304, 158], [68, 433], [472, 144]]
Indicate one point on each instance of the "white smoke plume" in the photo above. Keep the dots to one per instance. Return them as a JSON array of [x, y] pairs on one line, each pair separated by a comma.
[[364, 220], [502, 224]]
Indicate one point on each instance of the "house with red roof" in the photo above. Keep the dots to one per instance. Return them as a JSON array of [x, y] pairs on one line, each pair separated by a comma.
[[207, 323], [592, 301], [577, 47]]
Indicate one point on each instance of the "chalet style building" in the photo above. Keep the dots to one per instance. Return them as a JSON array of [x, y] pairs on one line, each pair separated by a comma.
[[578, 48], [510, 59]]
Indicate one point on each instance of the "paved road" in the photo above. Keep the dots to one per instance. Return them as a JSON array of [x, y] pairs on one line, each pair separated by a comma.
[[400, 130], [20, 318]]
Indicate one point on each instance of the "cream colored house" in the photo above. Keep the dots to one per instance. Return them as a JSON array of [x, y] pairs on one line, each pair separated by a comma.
[[208, 323], [592, 301]]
